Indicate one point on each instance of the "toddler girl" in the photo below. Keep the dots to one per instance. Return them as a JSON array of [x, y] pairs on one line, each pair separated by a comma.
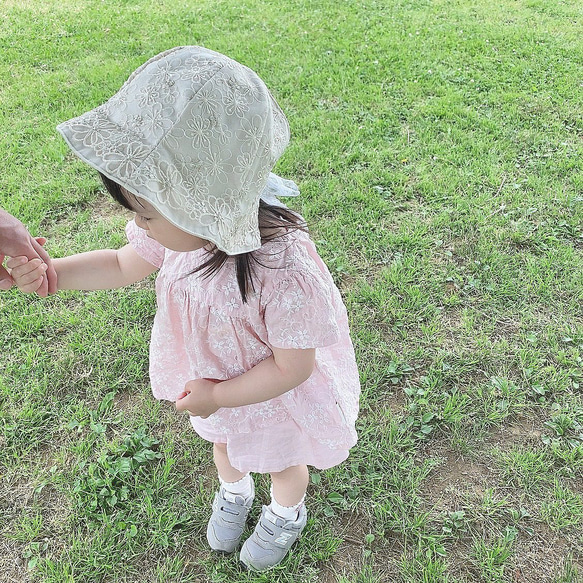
[[250, 337]]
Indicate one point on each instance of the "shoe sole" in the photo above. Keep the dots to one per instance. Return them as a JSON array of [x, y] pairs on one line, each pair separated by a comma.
[[225, 553]]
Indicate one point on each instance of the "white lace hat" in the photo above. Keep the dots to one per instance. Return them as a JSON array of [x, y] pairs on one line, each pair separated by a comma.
[[195, 134]]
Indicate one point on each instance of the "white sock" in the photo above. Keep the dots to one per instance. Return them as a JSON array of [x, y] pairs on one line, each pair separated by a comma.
[[242, 487], [285, 512]]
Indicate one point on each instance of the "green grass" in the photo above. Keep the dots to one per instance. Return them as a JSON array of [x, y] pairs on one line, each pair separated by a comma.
[[438, 149]]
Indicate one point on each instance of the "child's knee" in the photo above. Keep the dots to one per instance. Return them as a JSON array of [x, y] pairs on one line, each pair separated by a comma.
[[291, 472]]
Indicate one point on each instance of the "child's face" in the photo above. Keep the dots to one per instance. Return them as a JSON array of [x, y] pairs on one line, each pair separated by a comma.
[[162, 230]]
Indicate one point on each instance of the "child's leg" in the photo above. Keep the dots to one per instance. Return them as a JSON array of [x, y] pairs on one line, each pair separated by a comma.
[[289, 486], [234, 482], [226, 471]]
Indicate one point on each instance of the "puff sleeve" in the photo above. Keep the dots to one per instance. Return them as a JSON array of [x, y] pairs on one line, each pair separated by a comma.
[[301, 312], [145, 247]]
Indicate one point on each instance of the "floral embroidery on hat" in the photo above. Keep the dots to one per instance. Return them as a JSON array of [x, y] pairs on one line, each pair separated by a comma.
[[194, 133]]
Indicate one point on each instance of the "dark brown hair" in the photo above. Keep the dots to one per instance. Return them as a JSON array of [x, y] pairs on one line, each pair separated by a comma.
[[274, 222]]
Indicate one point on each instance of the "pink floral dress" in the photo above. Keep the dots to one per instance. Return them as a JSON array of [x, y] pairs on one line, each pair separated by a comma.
[[202, 329]]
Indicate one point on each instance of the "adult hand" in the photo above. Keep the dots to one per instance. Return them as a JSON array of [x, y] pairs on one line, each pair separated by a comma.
[[198, 398], [16, 241]]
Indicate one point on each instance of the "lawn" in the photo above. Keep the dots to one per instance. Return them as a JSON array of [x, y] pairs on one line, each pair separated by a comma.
[[437, 144]]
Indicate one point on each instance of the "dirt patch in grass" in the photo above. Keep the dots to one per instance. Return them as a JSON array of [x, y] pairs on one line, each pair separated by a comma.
[[101, 209], [499, 329], [29, 514], [539, 554], [105, 208], [541, 557], [452, 325], [349, 561], [519, 431], [535, 559], [392, 399], [454, 475], [397, 401], [12, 565]]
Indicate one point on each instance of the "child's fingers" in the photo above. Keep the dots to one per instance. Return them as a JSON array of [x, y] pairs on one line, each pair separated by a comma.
[[29, 278], [31, 287], [13, 262], [28, 282], [180, 404], [29, 271]]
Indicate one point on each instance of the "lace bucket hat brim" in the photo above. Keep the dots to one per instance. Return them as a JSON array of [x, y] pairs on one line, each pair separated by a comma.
[[195, 134]]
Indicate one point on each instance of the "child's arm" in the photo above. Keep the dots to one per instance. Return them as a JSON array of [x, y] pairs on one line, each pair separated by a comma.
[[272, 377], [102, 269]]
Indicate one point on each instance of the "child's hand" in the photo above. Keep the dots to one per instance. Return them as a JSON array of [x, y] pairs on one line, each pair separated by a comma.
[[198, 398], [28, 275]]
